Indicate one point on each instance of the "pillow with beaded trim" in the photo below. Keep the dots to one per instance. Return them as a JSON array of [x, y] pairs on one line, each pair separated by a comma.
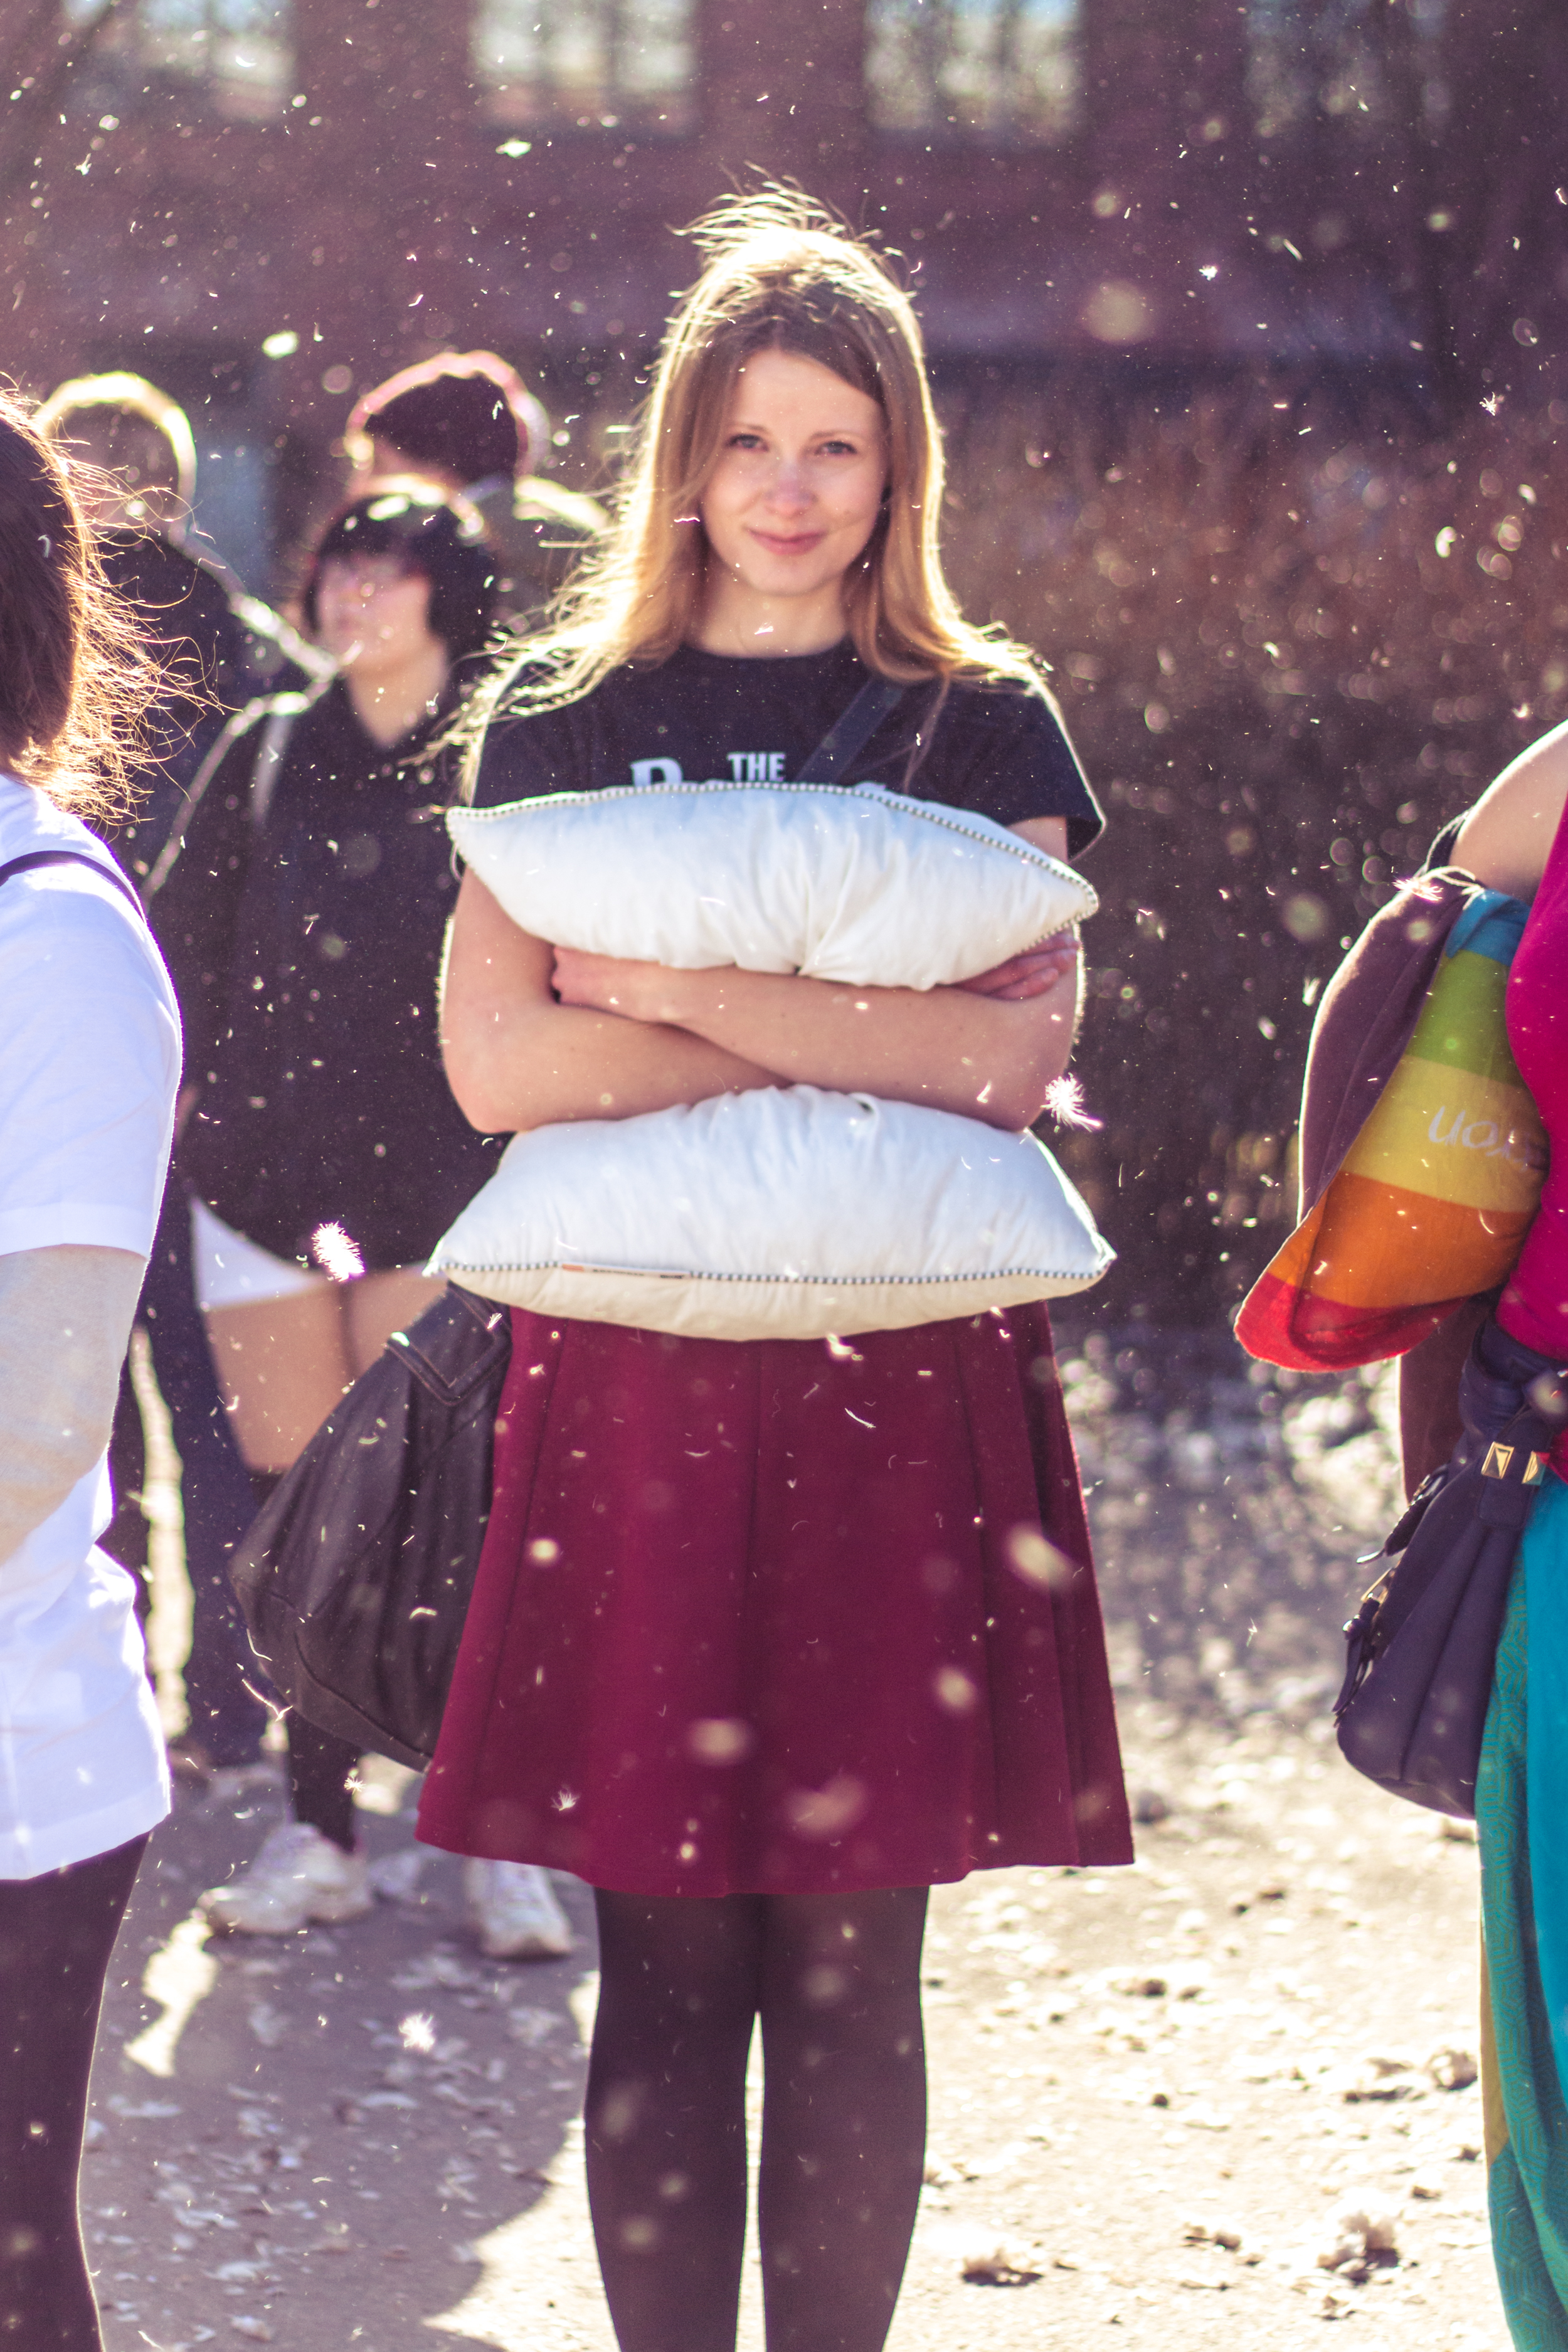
[[848, 883], [787, 1212]]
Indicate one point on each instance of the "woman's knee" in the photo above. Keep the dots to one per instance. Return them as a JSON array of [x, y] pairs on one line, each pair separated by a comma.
[[683, 1957], [829, 1953], [282, 1365]]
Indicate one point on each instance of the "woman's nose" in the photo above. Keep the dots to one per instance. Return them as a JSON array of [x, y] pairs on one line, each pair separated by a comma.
[[789, 487]]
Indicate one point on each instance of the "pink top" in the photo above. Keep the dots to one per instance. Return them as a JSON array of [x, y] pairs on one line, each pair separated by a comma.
[[1534, 1305]]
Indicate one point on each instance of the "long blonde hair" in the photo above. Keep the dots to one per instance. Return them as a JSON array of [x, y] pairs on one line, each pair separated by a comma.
[[781, 274]]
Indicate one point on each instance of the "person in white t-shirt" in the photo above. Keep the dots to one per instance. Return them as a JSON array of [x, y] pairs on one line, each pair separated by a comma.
[[89, 1063]]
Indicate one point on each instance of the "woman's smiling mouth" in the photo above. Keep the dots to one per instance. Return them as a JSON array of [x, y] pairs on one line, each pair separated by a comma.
[[779, 543]]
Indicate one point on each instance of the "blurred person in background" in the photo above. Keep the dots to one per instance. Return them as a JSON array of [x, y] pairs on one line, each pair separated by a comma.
[[303, 907], [135, 461], [466, 420], [219, 648], [89, 1062]]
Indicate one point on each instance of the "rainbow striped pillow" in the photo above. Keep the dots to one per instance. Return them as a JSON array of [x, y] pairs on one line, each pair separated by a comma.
[[1433, 1201]]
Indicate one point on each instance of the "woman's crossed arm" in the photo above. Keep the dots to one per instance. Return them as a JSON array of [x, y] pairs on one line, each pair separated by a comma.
[[533, 1034]]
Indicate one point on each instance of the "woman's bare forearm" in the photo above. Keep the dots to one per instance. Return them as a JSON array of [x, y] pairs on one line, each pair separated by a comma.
[[535, 1068], [66, 1315], [1507, 838], [517, 1060], [943, 1047], [631, 1037]]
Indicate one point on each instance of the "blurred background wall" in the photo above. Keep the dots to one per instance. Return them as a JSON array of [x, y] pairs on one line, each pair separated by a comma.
[[1248, 323]]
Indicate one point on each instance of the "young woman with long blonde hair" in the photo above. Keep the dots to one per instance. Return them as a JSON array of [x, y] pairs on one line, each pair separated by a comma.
[[750, 1649]]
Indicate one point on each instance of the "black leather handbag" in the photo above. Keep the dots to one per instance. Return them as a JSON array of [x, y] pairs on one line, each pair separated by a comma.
[[356, 1577], [1418, 1678]]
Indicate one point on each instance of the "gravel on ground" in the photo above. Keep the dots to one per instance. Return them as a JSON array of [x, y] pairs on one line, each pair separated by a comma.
[[1226, 2095]]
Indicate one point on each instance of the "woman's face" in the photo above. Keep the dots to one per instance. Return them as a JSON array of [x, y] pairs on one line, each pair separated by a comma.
[[372, 615], [798, 486]]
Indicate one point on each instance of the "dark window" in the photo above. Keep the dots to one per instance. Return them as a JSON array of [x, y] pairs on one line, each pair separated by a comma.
[[1353, 63], [229, 58], [995, 73], [588, 64]]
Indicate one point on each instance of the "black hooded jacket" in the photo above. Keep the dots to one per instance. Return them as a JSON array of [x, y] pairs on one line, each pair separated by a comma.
[[305, 950]]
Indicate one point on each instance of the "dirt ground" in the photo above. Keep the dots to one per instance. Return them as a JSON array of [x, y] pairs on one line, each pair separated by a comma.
[[1157, 2095], [1221, 2097]]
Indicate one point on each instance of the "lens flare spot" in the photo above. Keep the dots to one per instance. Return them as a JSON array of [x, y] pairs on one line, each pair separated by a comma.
[[721, 1739], [1037, 1561]]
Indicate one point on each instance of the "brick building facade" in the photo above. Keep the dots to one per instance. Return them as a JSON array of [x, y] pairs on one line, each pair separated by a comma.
[[265, 206]]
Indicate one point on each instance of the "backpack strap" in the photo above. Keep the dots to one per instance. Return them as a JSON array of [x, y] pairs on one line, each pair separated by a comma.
[[276, 715], [269, 761], [71, 857], [852, 731]]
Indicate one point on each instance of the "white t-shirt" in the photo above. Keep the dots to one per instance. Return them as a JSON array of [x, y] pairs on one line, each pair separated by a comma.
[[89, 1063]]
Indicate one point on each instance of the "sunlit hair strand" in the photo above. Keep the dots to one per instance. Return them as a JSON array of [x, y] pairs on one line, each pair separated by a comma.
[[76, 678]]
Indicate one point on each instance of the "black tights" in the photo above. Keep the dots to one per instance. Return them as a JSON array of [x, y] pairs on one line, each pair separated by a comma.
[[57, 1933], [319, 1763], [835, 1980]]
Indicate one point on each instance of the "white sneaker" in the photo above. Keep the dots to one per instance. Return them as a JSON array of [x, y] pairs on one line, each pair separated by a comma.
[[512, 1907], [298, 1875]]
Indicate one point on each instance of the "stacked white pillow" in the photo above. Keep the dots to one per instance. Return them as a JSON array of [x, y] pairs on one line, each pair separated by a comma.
[[841, 882], [789, 1213]]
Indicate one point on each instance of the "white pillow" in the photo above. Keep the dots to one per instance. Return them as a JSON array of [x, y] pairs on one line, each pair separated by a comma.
[[785, 1213], [844, 883]]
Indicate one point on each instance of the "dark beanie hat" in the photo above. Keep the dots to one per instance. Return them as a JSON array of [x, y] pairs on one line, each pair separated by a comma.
[[462, 411]]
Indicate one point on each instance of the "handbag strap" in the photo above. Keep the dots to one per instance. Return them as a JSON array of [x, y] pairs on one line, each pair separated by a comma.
[[1513, 1402], [852, 731]]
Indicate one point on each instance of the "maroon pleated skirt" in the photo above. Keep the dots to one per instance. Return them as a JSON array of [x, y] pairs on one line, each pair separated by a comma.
[[782, 1616]]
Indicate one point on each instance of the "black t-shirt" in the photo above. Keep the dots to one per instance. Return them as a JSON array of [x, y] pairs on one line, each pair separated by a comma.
[[1002, 753]]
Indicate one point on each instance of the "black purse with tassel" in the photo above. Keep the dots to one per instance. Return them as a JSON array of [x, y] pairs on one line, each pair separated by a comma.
[[1418, 1679]]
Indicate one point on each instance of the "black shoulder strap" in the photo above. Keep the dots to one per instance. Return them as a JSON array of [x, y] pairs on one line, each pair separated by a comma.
[[275, 714], [69, 857], [269, 760], [849, 733], [1441, 853]]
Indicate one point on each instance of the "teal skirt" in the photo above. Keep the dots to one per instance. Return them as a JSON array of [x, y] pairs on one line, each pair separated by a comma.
[[1521, 1814]]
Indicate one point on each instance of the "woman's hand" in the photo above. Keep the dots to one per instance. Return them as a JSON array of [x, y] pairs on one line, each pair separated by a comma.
[[602, 984], [1034, 973]]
